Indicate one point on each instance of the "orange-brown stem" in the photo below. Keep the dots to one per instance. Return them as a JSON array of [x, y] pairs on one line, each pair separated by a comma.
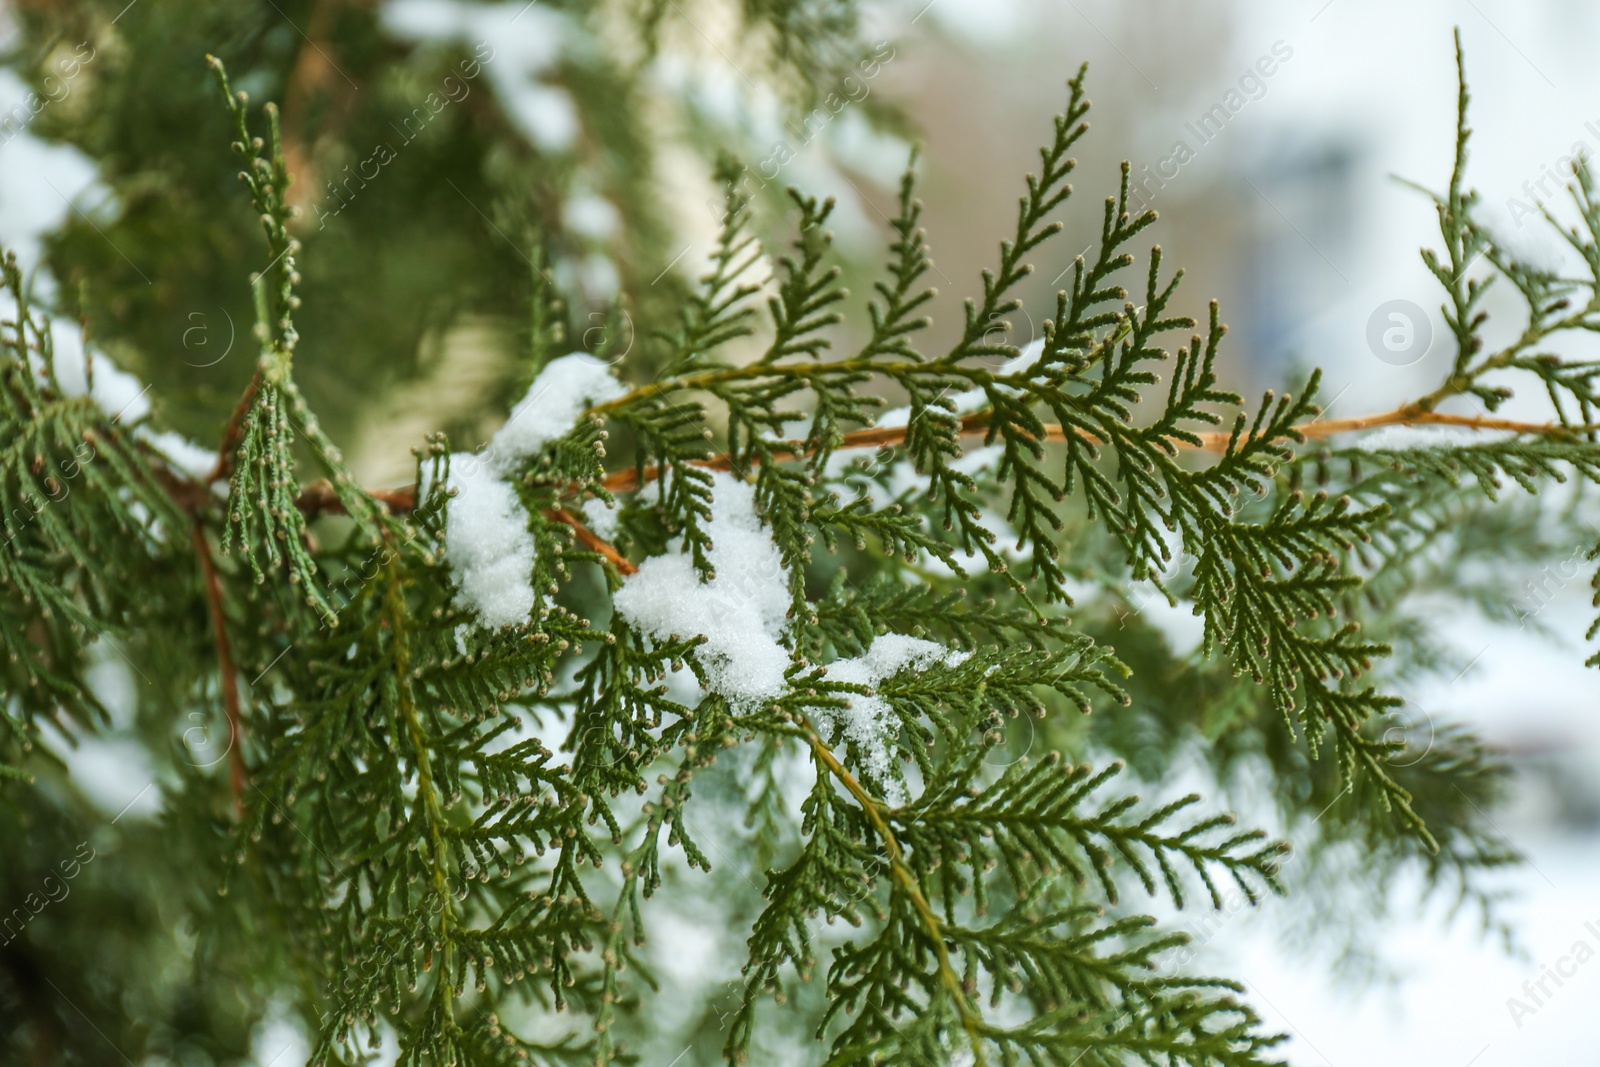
[[593, 541], [319, 496], [971, 425], [1411, 415]]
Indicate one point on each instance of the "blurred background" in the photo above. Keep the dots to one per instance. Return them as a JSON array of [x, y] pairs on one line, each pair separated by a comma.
[[1269, 136]]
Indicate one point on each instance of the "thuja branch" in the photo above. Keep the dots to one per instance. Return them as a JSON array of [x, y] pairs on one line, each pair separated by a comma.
[[319, 497], [1467, 375], [427, 803], [971, 1021], [977, 424]]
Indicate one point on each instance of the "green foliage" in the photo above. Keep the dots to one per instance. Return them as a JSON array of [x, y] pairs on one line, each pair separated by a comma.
[[59, 561], [1554, 306], [456, 838], [265, 517]]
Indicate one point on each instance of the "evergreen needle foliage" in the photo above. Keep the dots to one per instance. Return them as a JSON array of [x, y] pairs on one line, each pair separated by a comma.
[[455, 837]]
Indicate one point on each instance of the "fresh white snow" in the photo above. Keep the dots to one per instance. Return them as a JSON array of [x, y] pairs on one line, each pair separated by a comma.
[[113, 390], [487, 540], [601, 518], [489, 545], [868, 721], [741, 610], [561, 393], [183, 454], [1404, 438]]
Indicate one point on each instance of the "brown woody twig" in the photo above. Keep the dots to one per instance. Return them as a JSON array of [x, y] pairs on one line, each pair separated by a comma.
[[593, 541], [319, 496]]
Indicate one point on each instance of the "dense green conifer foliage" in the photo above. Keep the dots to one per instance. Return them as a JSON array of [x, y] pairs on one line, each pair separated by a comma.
[[437, 764]]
